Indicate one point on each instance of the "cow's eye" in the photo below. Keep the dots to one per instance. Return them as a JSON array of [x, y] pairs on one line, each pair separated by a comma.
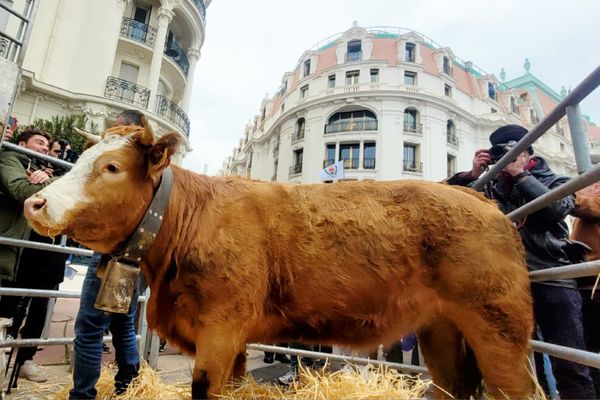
[[111, 167]]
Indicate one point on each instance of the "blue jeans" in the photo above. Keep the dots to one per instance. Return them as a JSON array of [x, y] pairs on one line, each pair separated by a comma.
[[89, 329]]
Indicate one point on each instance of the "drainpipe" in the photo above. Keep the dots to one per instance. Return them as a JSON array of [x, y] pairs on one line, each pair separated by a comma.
[[52, 39]]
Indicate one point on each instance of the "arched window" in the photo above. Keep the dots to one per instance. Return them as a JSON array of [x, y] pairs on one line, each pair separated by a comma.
[[409, 52], [354, 52], [491, 91], [451, 132], [361, 120], [447, 66], [299, 132], [411, 121]]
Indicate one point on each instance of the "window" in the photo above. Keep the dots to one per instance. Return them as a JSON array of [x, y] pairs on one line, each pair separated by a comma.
[[303, 91], [411, 161], [369, 155], [352, 77], [447, 67], [533, 116], [282, 107], [447, 90], [129, 72], [263, 113], [162, 90], [306, 68], [331, 81], [410, 78], [451, 165], [297, 166], [361, 120], [275, 166], [329, 155], [374, 75], [562, 147], [493, 110], [451, 133], [349, 152], [299, 132], [411, 123], [492, 91], [354, 51], [409, 52], [513, 105]]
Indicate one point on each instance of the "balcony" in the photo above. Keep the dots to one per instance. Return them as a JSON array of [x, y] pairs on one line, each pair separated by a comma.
[[414, 128], [170, 111], [138, 31], [452, 139], [126, 92], [297, 135], [201, 7], [354, 56], [174, 51], [412, 166], [295, 169], [351, 126]]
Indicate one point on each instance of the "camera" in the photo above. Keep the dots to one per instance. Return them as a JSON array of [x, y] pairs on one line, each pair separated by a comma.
[[497, 151]]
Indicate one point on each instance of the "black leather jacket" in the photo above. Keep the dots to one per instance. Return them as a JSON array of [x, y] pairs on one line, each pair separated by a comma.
[[544, 233]]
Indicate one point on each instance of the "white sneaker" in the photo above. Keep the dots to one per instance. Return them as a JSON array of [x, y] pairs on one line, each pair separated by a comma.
[[287, 379], [8, 338], [32, 372]]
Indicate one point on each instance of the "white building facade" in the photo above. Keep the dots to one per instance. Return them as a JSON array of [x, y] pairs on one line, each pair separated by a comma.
[[100, 57], [392, 104]]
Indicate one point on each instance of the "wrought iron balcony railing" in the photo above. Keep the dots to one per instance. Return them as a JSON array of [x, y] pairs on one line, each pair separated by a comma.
[[350, 126], [452, 139], [170, 111], [126, 92], [369, 163], [295, 169], [138, 31], [174, 51], [412, 166], [412, 127], [201, 7]]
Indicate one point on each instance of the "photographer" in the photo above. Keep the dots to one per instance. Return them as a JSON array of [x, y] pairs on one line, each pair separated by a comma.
[[61, 149], [557, 304]]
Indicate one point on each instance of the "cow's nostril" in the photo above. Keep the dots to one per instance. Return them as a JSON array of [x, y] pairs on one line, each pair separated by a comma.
[[39, 205]]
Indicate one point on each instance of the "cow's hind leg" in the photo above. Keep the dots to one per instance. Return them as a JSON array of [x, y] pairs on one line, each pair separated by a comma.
[[450, 362], [499, 339]]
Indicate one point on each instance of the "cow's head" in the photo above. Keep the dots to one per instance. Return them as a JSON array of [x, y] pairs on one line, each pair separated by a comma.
[[102, 199]]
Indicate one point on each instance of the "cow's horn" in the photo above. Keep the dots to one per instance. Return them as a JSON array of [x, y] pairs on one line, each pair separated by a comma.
[[89, 136]]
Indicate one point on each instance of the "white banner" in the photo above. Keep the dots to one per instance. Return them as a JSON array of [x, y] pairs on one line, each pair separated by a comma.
[[333, 172]]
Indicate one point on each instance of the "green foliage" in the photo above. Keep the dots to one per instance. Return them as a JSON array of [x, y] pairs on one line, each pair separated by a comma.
[[62, 127]]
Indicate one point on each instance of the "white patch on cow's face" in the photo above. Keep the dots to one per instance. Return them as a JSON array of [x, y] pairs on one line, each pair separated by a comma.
[[69, 191]]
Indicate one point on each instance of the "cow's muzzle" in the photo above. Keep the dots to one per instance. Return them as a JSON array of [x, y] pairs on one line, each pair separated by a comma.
[[33, 207]]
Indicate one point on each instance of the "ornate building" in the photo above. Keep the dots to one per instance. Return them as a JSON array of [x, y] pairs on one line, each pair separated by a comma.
[[392, 104], [100, 57]]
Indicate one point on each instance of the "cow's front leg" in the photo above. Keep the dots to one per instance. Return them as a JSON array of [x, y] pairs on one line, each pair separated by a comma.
[[216, 351]]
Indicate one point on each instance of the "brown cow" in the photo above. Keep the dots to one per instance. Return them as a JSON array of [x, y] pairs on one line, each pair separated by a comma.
[[354, 264]]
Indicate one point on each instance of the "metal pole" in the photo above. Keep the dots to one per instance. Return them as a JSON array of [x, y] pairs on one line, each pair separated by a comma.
[[579, 139], [579, 93], [45, 246], [47, 342], [335, 357], [567, 353], [572, 271], [35, 154], [587, 178], [6, 291]]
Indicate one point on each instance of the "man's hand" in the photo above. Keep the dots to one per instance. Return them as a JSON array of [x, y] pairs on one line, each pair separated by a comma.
[[37, 177], [8, 133], [480, 162], [518, 166]]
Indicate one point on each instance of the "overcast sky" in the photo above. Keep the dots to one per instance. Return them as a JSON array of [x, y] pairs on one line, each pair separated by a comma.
[[250, 44]]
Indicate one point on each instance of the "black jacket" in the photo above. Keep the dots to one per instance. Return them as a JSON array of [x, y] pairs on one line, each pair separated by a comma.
[[544, 233]]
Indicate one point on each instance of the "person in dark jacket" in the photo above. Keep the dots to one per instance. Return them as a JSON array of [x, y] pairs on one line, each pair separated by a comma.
[[557, 304]]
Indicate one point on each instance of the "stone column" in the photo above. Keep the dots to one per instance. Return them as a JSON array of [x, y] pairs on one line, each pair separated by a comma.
[[165, 16], [193, 57]]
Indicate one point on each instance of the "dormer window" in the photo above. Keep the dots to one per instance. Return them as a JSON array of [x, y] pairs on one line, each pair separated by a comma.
[[513, 105], [492, 91], [306, 68], [354, 51], [409, 52], [447, 66]]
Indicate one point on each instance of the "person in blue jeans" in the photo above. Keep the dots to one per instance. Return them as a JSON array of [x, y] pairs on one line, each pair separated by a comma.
[[89, 329]]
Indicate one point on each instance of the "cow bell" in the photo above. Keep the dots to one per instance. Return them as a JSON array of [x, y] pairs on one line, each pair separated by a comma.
[[117, 288]]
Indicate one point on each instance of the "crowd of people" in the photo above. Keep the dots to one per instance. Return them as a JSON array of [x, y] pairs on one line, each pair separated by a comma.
[[566, 311]]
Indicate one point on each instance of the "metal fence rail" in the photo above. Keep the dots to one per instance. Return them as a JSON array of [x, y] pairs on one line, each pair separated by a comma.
[[45, 246], [58, 294], [49, 341]]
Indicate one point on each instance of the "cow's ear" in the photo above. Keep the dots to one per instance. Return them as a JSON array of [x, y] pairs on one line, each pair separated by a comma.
[[159, 156]]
